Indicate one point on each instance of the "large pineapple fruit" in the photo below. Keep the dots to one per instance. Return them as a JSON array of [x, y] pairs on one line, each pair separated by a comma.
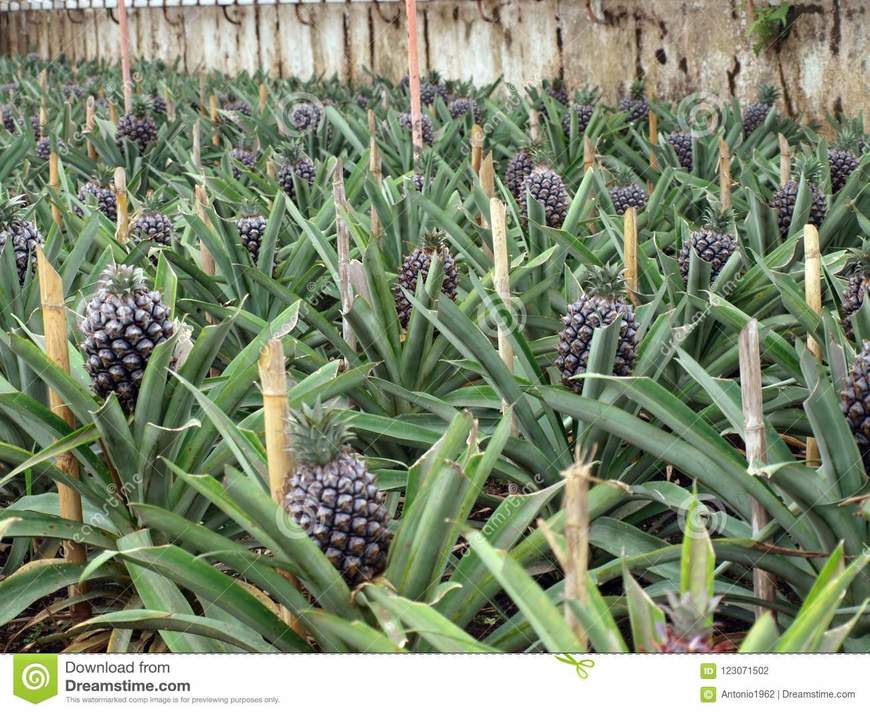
[[123, 323], [602, 302], [519, 166], [635, 105], [416, 267], [843, 158], [153, 226], [756, 113], [628, 191], [856, 288], [333, 497], [545, 186], [855, 402], [105, 198], [681, 142], [713, 243], [252, 228], [785, 198], [137, 127], [297, 164], [23, 235]]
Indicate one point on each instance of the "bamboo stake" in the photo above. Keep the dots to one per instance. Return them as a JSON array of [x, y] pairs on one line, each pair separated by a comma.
[[264, 93], [90, 120], [57, 349], [487, 175], [813, 296], [170, 103], [125, 56], [213, 115], [784, 160], [206, 258], [43, 111], [653, 138], [196, 150], [121, 204], [202, 97], [724, 176], [113, 112], [54, 182], [501, 282], [588, 154], [629, 252], [343, 249], [755, 439], [414, 79], [476, 148], [271, 169], [375, 170], [576, 541], [534, 125]]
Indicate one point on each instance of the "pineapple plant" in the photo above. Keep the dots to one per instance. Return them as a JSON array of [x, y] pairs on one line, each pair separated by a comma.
[[519, 166], [688, 630], [306, 116], [843, 158], [242, 157], [681, 142], [152, 226], [784, 199], [105, 198], [334, 498], [416, 267], [252, 228], [23, 235], [627, 192], [856, 287], [158, 104], [545, 186], [426, 127], [233, 104], [713, 243], [583, 107], [556, 89], [603, 302], [295, 164], [137, 127], [755, 114], [855, 402], [43, 147], [464, 106], [122, 324], [635, 104]]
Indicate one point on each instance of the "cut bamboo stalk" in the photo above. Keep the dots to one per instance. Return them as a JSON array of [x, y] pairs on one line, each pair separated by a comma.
[[653, 139], [43, 112], [90, 121], [125, 56], [170, 103], [784, 160], [271, 169], [121, 204], [476, 148], [343, 248], [359, 281], [629, 252], [724, 176], [206, 258], [813, 296], [576, 542], [534, 125], [202, 97], [414, 79], [755, 439], [54, 183], [487, 175], [57, 349], [113, 112], [213, 115], [588, 154], [264, 93], [501, 282], [375, 170], [196, 150]]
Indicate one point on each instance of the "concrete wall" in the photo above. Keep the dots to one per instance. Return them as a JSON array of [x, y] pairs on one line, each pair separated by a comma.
[[681, 45]]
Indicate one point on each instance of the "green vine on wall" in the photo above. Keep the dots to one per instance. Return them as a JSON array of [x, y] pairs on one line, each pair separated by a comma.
[[770, 26]]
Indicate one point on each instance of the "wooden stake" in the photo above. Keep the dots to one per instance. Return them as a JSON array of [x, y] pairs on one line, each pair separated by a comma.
[[170, 103], [113, 112], [264, 93], [213, 115], [576, 541], [784, 160], [534, 125], [90, 120], [653, 138], [755, 439], [724, 176], [414, 79], [196, 150], [202, 97], [343, 249], [271, 169], [121, 204], [125, 56], [476, 148], [813, 296], [487, 175], [501, 282], [588, 154], [375, 170], [206, 258], [57, 349], [54, 182], [629, 252], [43, 112]]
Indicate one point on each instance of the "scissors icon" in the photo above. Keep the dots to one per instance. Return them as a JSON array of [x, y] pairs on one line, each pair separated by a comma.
[[579, 666]]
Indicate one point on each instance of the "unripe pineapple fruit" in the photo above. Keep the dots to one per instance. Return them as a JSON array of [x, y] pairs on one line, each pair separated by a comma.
[[23, 235], [784, 199], [756, 113], [122, 324], [681, 142], [137, 126], [426, 127], [713, 243], [416, 267], [843, 158], [245, 158], [688, 630], [295, 164], [520, 166], [855, 402], [333, 497], [856, 288], [584, 108], [152, 226], [628, 192], [602, 303], [635, 105]]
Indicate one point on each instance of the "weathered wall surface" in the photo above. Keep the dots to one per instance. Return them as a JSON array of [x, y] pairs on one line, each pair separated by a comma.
[[681, 45]]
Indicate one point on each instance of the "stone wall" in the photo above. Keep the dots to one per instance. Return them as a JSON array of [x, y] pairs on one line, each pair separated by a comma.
[[680, 45]]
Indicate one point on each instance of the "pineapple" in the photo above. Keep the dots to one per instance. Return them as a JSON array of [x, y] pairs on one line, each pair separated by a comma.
[[555, 89], [756, 113], [137, 127], [545, 186], [105, 199], [464, 106], [152, 226], [24, 235], [416, 265], [713, 243], [432, 88], [242, 157], [232, 104], [296, 164], [584, 107], [306, 116], [784, 199], [628, 191], [635, 105], [158, 105], [843, 158], [252, 228], [688, 631], [333, 497], [855, 402], [520, 166], [8, 118], [856, 288], [681, 141], [603, 301], [425, 125], [123, 323], [43, 147]]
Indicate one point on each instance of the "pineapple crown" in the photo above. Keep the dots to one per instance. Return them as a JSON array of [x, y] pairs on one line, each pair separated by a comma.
[[604, 281], [141, 106], [293, 152], [767, 94], [636, 88], [622, 175], [859, 258], [316, 433], [249, 209], [718, 221], [587, 96], [433, 239], [848, 139], [541, 155], [10, 207], [103, 175], [808, 166], [434, 77], [688, 618], [152, 203], [122, 279]]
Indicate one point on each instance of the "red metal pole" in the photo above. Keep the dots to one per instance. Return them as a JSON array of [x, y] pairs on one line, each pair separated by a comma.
[[414, 78], [125, 56]]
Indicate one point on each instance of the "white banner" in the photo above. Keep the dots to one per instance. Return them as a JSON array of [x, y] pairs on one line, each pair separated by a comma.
[[361, 683]]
